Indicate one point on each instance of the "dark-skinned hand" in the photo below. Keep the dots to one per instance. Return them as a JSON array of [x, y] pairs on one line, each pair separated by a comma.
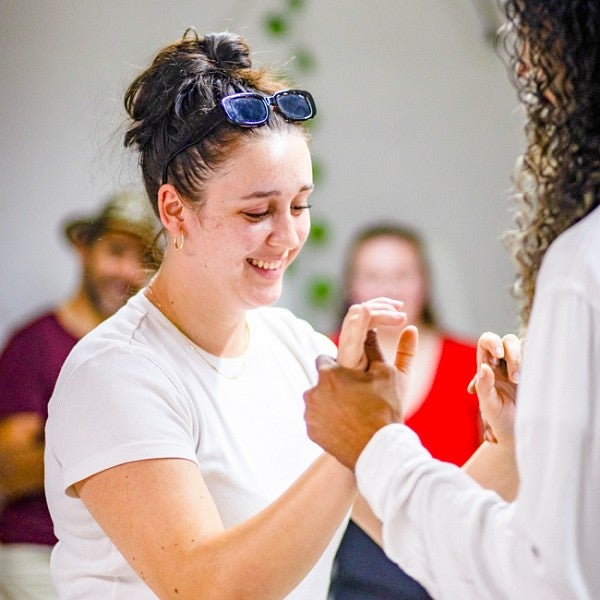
[[348, 406]]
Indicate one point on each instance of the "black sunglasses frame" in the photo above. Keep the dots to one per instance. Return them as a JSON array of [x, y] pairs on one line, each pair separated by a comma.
[[221, 113]]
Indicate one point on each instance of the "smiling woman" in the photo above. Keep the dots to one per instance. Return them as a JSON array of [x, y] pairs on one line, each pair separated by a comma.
[[177, 460], [247, 231]]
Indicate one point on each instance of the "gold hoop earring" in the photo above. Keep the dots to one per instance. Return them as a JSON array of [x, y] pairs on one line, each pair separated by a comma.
[[178, 241]]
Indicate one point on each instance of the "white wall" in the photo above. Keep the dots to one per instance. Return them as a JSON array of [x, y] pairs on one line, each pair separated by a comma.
[[417, 122]]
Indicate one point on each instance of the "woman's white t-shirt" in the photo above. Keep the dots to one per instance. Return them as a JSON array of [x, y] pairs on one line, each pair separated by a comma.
[[135, 388]]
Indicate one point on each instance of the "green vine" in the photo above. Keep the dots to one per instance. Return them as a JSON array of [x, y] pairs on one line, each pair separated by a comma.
[[281, 25]]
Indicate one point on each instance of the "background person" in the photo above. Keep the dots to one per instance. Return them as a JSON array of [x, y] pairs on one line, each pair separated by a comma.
[[390, 260], [112, 249], [459, 540]]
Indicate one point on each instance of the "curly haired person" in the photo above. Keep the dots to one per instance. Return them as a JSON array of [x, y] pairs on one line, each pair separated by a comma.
[[458, 540]]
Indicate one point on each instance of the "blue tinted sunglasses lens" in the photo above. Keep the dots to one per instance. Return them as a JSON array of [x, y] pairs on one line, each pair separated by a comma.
[[246, 110], [294, 106]]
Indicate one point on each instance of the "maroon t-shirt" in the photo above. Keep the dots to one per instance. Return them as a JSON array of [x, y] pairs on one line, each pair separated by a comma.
[[29, 366]]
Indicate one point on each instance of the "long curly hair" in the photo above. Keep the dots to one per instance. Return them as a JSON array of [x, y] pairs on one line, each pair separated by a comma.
[[554, 52]]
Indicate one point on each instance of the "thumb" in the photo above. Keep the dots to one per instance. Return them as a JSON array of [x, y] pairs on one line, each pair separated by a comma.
[[407, 348], [485, 385], [484, 381], [372, 349]]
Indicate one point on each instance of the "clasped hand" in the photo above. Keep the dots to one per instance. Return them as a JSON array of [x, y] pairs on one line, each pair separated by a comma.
[[360, 393]]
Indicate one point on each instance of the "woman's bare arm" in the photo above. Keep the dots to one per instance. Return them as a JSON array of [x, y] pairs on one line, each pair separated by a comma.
[[161, 516]]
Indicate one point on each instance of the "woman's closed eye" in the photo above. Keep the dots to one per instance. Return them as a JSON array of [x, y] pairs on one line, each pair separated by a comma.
[[298, 208], [259, 216]]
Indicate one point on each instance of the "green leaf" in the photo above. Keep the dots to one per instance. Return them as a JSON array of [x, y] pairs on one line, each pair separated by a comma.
[[305, 60], [296, 4], [320, 291], [319, 233], [317, 170], [276, 25]]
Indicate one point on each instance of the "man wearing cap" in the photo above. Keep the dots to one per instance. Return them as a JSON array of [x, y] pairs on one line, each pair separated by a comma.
[[113, 247]]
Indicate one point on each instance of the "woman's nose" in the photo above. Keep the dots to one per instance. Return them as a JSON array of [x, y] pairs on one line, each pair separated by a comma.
[[285, 231]]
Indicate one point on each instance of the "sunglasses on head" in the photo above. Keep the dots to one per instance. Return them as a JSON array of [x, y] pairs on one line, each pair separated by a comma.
[[249, 109]]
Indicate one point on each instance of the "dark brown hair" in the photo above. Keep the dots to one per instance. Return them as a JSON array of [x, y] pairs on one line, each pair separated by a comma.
[[171, 97]]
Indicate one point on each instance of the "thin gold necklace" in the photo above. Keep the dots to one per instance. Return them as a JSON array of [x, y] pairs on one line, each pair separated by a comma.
[[199, 351]]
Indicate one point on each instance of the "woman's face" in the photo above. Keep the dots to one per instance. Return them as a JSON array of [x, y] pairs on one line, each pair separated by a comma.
[[389, 266], [254, 221]]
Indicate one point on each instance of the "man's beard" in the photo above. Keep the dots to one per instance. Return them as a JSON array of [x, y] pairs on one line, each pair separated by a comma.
[[103, 296]]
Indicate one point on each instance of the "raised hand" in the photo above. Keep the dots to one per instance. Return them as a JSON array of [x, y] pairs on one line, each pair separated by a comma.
[[498, 373], [361, 318]]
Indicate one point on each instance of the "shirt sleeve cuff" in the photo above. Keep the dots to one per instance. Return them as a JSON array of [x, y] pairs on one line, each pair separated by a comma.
[[387, 451]]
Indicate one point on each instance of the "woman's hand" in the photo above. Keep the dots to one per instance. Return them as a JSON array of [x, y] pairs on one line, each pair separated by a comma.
[[498, 373], [361, 318]]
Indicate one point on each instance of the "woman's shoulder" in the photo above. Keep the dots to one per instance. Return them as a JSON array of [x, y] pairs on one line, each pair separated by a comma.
[[572, 257], [127, 340], [105, 373]]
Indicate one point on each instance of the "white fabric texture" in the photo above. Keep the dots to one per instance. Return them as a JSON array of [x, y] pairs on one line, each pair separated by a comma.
[[135, 389], [25, 572], [464, 542]]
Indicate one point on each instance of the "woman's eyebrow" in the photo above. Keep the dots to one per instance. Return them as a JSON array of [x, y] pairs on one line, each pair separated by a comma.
[[270, 193]]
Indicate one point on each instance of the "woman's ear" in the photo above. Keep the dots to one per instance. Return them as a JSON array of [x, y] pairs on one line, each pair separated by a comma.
[[171, 209]]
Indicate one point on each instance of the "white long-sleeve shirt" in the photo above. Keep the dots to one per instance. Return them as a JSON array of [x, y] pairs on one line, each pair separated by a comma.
[[464, 542]]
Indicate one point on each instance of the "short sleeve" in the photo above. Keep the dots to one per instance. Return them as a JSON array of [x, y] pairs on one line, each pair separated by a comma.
[[117, 407]]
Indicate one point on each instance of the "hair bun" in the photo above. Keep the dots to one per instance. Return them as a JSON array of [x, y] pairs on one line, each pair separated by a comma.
[[227, 51]]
